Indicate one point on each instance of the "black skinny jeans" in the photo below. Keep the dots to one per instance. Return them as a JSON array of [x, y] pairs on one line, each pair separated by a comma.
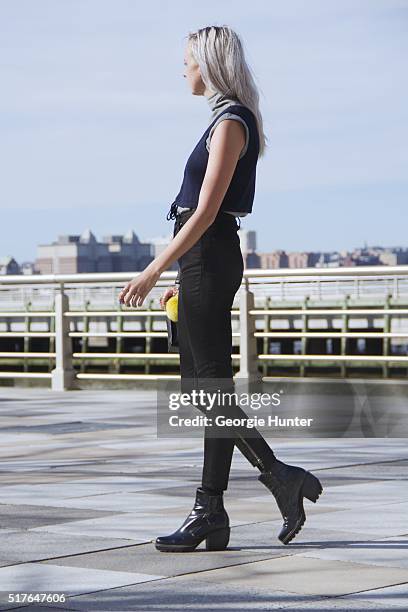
[[210, 275]]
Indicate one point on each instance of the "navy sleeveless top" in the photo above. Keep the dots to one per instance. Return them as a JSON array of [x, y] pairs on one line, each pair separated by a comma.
[[240, 193]]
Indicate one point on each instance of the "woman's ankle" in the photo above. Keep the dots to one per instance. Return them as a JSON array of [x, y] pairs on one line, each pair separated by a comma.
[[211, 490], [269, 463]]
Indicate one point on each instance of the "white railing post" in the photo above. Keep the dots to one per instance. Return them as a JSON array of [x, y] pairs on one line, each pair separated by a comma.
[[63, 375], [247, 346]]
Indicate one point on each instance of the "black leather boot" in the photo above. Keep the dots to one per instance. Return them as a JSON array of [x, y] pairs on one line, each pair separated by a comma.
[[207, 521], [290, 484]]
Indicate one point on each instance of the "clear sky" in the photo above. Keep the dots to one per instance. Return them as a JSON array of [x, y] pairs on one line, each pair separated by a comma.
[[97, 121]]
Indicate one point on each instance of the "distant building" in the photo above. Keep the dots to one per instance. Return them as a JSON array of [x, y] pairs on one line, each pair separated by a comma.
[[247, 240], [251, 260], [328, 260], [28, 267], [397, 257], [275, 259], [368, 260], [8, 265], [73, 254], [314, 257], [346, 260], [298, 260], [157, 246]]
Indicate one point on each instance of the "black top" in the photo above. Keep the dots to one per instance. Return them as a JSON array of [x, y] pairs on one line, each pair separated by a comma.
[[240, 193]]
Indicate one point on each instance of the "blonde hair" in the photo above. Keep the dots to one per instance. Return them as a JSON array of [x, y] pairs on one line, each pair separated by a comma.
[[219, 53]]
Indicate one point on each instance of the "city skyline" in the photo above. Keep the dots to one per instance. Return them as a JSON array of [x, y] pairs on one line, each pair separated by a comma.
[[87, 252]]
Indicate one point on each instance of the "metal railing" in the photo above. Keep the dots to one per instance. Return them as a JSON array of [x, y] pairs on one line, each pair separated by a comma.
[[314, 292]]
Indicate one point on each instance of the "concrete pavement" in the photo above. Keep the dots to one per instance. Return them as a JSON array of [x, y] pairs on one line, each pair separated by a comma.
[[86, 486]]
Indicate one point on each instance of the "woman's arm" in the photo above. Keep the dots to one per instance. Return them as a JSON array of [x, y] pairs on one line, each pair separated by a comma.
[[227, 143]]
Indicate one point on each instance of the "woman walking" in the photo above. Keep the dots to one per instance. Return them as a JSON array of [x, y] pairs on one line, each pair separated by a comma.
[[218, 187]]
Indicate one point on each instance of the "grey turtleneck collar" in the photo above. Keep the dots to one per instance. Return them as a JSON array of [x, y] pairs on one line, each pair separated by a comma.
[[218, 102]]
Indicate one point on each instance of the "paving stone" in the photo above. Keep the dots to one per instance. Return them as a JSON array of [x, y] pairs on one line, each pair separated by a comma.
[[386, 598], [26, 493], [135, 526], [41, 607], [386, 470], [384, 520], [122, 502], [390, 552], [58, 428], [37, 577], [307, 576], [247, 543], [146, 559], [264, 536], [28, 516], [20, 546], [178, 594], [362, 494]]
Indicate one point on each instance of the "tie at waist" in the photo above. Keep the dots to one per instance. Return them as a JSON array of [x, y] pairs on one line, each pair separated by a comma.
[[172, 214]]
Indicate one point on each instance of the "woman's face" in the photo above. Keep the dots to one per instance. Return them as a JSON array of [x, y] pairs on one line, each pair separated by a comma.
[[192, 73]]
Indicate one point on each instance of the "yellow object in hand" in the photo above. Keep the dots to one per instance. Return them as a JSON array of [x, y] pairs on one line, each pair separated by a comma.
[[172, 308]]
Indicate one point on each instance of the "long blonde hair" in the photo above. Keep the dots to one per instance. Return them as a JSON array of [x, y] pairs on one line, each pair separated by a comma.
[[219, 53]]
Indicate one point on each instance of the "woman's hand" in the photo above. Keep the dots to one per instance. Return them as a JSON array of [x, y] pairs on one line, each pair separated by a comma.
[[134, 293], [170, 291]]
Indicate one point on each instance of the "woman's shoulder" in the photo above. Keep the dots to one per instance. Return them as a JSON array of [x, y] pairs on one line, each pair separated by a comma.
[[242, 111], [239, 107]]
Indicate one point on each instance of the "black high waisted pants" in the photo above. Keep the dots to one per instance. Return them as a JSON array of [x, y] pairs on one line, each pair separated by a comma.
[[211, 272]]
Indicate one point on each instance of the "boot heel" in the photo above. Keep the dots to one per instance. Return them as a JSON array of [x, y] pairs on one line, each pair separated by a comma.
[[311, 487], [218, 540]]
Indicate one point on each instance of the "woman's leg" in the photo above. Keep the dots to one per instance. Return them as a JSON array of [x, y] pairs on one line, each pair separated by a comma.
[[217, 451], [210, 277]]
